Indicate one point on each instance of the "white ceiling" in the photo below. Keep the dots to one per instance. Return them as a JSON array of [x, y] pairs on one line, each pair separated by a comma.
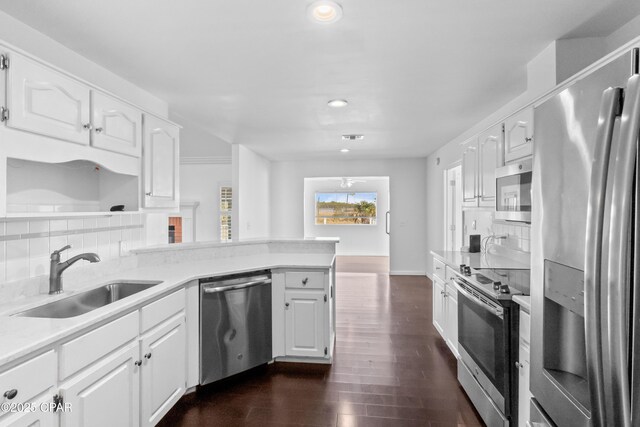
[[416, 72]]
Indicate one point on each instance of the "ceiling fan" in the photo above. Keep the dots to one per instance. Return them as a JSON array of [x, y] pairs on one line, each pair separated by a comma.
[[348, 182]]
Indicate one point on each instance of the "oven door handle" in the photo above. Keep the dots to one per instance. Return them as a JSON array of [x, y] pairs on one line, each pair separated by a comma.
[[476, 301], [214, 289]]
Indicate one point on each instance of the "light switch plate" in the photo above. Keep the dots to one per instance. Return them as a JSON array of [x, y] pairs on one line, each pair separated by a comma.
[[124, 248]]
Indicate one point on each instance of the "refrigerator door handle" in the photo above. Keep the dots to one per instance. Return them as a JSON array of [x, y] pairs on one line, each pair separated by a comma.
[[593, 252], [619, 249]]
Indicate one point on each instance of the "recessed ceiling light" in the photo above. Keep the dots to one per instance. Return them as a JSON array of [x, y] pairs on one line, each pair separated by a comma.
[[337, 103], [345, 150], [324, 11]]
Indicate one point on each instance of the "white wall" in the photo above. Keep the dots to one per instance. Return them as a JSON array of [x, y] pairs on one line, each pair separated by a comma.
[[364, 240], [407, 187], [200, 182], [251, 174]]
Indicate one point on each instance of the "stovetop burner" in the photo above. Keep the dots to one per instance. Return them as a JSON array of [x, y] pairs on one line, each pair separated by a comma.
[[499, 284]]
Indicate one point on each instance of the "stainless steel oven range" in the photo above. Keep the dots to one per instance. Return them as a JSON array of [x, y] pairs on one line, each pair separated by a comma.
[[488, 340]]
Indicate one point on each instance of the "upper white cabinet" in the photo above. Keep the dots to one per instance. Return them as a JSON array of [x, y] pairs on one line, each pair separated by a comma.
[[45, 101], [480, 157], [470, 172], [489, 149], [116, 125], [518, 135], [161, 157]]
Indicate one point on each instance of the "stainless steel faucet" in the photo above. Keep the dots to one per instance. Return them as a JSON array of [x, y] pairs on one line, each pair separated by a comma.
[[57, 267]]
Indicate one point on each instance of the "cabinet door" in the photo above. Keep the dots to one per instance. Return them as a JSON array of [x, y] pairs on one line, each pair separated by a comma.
[[107, 394], [451, 315], [524, 395], [518, 135], [45, 101], [116, 126], [160, 152], [164, 369], [469, 173], [37, 418], [438, 305], [304, 323], [489, 143]]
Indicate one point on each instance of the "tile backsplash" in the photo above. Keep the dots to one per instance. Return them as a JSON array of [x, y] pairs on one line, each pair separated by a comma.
[[25, 245], [518, 236]]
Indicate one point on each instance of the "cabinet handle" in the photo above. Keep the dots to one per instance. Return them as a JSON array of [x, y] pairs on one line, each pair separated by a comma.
[[286, 304], [304, 281], [528, 139], [87, 126], [138, 363], [149, 193], [98, 130], [442, 292], [519, 365], [147, 356], [10, 394]]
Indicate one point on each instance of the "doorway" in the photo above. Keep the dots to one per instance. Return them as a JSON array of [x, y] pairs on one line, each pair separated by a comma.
[[453, 207], [357, 210]]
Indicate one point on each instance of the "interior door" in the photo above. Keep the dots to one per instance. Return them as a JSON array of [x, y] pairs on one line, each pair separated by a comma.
[[45, 101]]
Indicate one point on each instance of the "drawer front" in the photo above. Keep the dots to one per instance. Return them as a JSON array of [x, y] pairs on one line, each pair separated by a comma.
[[525, 326], [304, 279], [88, 348], [28, 379], [439, 269], [157, 312]]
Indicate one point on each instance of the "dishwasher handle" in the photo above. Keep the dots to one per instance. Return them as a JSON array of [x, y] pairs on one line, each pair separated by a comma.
[[213, 289]]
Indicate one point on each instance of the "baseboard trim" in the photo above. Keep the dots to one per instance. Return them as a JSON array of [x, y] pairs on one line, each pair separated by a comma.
[[406, 273]]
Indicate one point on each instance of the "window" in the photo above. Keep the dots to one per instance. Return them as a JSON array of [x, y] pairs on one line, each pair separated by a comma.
[[225, 212], [346, 208]]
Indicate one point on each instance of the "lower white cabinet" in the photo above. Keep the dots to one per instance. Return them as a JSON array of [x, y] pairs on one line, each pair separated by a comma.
[[164, 373], [438, 305], [305, 323], [451, 314], [445, 312], [36, 418], [107, 394], [524, 395]]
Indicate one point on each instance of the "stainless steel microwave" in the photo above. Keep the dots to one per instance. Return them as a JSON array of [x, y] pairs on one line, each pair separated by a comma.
[[513, 191]]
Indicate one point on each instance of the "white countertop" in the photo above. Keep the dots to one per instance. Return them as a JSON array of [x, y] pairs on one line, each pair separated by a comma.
[[228, 243], [20, 336], [477, 260], [524, 301]]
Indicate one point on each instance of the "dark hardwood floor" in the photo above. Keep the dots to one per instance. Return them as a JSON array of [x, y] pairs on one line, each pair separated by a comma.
[[391, 368]]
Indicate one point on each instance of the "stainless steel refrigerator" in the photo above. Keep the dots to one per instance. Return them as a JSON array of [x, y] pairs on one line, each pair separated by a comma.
[[585, 280]]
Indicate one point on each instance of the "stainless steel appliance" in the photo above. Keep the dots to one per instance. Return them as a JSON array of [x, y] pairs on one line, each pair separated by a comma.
[[235, 324], [488, 340], [513, 191], [585, 330]]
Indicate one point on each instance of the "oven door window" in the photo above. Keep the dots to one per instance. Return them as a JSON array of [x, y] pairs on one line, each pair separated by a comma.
[[481, 334], [514, 193]]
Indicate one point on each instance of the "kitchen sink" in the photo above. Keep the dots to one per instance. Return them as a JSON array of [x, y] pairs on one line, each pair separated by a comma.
[[85, 302]]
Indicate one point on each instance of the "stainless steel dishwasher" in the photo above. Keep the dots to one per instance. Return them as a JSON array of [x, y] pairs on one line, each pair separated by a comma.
[[235, 324]]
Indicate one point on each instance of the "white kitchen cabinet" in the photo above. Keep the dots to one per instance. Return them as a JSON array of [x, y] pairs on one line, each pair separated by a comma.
[[438, 305], [161, 156], [37, 418], [305, 323], [164, 369], [470, 173], [489, 146], [451, 316], [524, 395], [518, 135], [47, 102], [107, 394], [116, 126]]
